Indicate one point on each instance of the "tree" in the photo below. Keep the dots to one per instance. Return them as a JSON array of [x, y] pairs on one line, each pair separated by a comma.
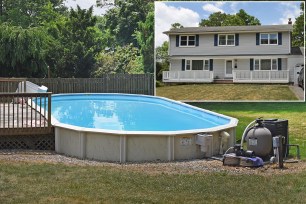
[[23, 51], [247, 19], [221, 19], [122, 20], [79, 44], [29, 13], [298, 29], [176, 25], [162, 60], [123, 60], [145, 40]]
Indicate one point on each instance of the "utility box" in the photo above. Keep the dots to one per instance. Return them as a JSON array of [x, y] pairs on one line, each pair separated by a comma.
[[206, 143]]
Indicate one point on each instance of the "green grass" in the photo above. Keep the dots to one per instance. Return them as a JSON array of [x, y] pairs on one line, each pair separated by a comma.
[[29, 182], [226, 92], [246, 112], [50, 183]]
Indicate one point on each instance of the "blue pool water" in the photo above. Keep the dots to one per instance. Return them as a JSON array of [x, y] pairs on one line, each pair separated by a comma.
[[130, 113]]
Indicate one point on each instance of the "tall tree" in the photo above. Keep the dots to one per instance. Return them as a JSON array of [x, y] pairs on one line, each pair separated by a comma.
[[221, 19], [122, 20], [80, 44], [23, 51], [298, 29], [27, 13], [145, 40]]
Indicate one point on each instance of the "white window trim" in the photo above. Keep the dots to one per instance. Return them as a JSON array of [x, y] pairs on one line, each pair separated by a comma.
[[226, 38], [268, 38], [203, 68], [188, 41], [265, 59]]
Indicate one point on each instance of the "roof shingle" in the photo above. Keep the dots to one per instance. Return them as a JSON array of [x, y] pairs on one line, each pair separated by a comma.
[[260, 28]]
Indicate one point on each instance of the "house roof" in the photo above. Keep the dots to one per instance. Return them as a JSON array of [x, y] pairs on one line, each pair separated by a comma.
[[296, 51], [258, 28]]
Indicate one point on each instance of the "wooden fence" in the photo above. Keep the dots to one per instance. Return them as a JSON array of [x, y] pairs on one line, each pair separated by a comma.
[[21, 113], [108, 83], [8, 85]]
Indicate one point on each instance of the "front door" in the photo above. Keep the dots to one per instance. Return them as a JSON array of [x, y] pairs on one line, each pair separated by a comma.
[[228, 68]]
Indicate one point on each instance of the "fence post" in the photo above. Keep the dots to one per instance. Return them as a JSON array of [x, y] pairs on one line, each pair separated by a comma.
[[49, 110]]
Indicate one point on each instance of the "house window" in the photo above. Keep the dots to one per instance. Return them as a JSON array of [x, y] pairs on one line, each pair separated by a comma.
[[197, 65], [268, 38], [187, 40], [226, 40], [265, 64]]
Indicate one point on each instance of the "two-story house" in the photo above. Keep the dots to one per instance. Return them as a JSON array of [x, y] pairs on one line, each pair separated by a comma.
[[244, 54]]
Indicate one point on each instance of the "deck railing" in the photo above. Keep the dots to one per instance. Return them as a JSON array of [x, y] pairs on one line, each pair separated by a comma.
[[188, 76], [25, 113], [262, 76]]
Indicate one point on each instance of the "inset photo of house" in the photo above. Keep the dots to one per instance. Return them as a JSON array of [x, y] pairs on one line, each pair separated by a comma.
[[230, 51]]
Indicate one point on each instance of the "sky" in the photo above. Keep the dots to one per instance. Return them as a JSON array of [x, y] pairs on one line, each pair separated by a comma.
[[189, 14], [85, 4]]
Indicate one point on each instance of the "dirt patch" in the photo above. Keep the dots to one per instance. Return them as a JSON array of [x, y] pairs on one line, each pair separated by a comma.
[[152, 168]]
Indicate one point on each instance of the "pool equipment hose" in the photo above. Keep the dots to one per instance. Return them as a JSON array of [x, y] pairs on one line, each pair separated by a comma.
[[224, 140], [246, 130]]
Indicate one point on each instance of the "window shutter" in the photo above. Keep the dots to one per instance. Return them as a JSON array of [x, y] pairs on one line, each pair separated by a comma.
[[257, 38], [177, 40], [211, 65], [251, 64], [197, 40], [183, 64], [216, 40], [280, 38], [236, 39], [279, 63]]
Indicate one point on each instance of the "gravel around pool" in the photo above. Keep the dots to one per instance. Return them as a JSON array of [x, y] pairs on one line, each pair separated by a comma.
[[153, 168]]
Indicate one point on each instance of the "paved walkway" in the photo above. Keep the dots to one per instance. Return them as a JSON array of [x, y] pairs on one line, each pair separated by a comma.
[[298, 91]]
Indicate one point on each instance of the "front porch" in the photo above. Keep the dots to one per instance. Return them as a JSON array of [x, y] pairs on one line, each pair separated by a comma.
[[193, 76], [239, 76]]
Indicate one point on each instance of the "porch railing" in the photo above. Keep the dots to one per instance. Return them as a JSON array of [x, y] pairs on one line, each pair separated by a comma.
[[25, 113], [263, 76], [188, 76]]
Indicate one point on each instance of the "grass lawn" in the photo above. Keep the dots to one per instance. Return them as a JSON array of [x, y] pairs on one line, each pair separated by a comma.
[[29, 182], [226, 92], [295, 112], [58, 183]]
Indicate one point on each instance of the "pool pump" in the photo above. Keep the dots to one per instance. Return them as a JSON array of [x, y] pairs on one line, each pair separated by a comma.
[[266, 140]]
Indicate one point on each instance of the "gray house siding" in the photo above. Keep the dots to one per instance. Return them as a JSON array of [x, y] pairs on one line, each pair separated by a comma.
[[175, 64], [247, 45], [219, 65]]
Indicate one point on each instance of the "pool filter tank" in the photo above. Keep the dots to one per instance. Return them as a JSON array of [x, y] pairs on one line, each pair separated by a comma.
[[259, 140], [259, 137]]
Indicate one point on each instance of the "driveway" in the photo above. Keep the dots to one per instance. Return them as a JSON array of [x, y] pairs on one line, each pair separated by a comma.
[[298, 91]]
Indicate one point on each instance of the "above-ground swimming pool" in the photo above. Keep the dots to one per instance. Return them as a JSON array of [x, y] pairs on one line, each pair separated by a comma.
[[126, 127]]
